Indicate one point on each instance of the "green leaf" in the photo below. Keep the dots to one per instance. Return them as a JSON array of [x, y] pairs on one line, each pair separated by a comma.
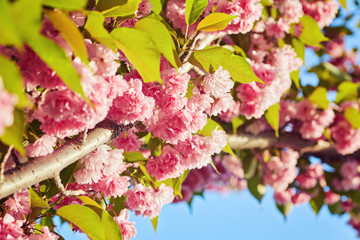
[[347, 91], [134, 156], [36, 202], [311, 33], [343, 3], [284, 208], [12, 81], [117, 8], [294, 75], [27, 22], [132, 42], [154, 222], [336, 208], [157, 5], [111, 227], [70, 33], [299, 48], [161, 37], [255, 186], [352, 115], [66, 4], [317, 202], [207, 130], [94, 25], [179, 182], [85, 218], [319, 98], [329, 74], [14, 134], [193, 10], [9, 34], [118, 204], [211, 58], [272, 117], [54, 56], [249, 165], [67, 173], [237, 122], [215, 22], [89, 201]]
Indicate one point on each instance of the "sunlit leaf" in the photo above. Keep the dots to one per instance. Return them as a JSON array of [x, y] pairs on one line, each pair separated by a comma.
[[84, 218], [161, 37], [284, 208], [111, 227], [311, 34], [12, 80], [330, 75], [14, 134], [237, 122], [347, 91], [193, 10], [70, 33], [9, 34], [117, 8], [94, 25], [343, 3], [319, 98], [352, 115], [154, 222], [66, 4], [299, 48], [36, 202], [54, 56], [132, 42], [134, 156], [215, 22], [157, 5], [272, 117], [317, 202], [211, 58]]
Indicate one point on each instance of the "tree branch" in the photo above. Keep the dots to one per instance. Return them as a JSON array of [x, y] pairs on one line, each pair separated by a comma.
[[49, 166]]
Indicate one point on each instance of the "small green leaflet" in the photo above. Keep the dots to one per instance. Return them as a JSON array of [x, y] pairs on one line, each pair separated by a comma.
[[311, 33], [14, 134], [12, 80], [8, 32], [193, 10], [70, 33], [134, 156], [207, 130], [343, 3], [65, 4], [299, 48], [54, 56], [157, 5], [236, 122], [37, 204], [161, 37], [154, 222], [117, 8], [317, 202], [352, 115], [284, 208], [347, 91], [132, 42], [272, 117], [215, 22], [94, 25], [330, 75], [211, 58], [319, 98], [294, 75]]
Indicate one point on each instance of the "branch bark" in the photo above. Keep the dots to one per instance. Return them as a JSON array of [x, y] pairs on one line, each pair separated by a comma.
[[49, 166]]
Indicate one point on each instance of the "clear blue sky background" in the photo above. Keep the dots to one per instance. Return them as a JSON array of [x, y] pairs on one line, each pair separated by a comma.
[[238, 215]]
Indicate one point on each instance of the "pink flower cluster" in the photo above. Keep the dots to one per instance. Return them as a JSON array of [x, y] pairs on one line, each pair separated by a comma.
[[7, 106], [350, 177], [41, 147], [280, 172], [323, 12], [128, 229], [100, 172], [313, 174], [147, 201]]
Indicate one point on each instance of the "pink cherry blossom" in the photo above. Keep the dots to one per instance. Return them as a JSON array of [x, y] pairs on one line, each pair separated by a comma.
[[128, 229]]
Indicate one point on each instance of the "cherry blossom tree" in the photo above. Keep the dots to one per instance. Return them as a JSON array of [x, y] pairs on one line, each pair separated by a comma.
[[115, 106]]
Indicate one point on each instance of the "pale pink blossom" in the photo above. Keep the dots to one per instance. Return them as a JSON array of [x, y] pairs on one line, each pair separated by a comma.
[[127, 141], [175, 83], [41, 147], [19, 204], [128, 229], [11, 228], [331, 197], [323, 12], [7, 106], [219, 83], [284, 197], [301, 198]]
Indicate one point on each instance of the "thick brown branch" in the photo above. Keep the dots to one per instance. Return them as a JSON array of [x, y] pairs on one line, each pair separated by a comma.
[[50, 166]]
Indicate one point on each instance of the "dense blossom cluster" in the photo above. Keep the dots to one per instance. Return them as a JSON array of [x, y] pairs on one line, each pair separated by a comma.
[[176, 149]]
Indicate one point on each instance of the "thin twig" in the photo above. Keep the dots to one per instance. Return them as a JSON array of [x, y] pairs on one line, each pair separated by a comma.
[[65, 192], [3, 163]]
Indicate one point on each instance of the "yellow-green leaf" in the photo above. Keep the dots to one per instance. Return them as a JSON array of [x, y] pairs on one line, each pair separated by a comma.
[[272, 117], [299, 48], [117, 8], [294, 75], [193, 10], [134, 156], [89, 201], [311, 33], [94, 25], [140, 50], [154, 222], [319, 98], [84, 218], [111, 227], [211, 58], [36, 202], [215, 22], [352, 115], [343, 3], [157, 5], [26, 16], [54, 56], [161, 37], [14, 134], [70, 33], [66, 4], [236, 122], [8, 32], [12, 81], [347, 91]]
